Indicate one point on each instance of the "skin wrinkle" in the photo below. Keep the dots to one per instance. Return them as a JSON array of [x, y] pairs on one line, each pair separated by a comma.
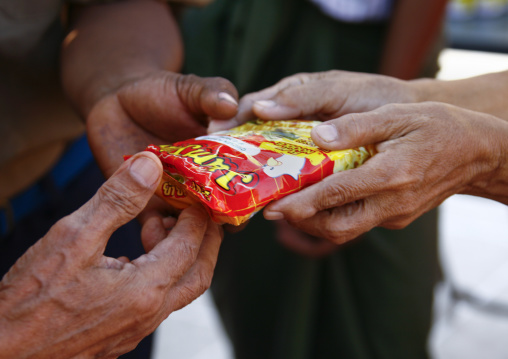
[[183, 91], [123, 92], [418, 169], [111, 288], [111, 198], [65, 290]]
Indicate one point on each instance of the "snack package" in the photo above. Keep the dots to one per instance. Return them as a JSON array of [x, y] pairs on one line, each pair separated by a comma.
[[237, 172]]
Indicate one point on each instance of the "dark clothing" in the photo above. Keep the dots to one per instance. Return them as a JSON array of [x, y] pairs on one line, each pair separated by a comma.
[[372, 298]]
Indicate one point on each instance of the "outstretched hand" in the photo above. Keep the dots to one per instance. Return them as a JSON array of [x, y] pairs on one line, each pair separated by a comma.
[[160, 108], [64, 298], [426, 153], [320, 96]]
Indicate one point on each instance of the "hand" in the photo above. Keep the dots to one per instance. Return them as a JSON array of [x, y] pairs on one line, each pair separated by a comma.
[[301, 243], [159, 108], [63, 298], [321, 96], [426, 153]]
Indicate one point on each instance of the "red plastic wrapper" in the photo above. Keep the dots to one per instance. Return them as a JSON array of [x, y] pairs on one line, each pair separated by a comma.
[[237, 172]]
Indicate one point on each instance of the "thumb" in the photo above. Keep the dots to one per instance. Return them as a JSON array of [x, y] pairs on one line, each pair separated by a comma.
[[215, 97], [360, 129], [119, 200]]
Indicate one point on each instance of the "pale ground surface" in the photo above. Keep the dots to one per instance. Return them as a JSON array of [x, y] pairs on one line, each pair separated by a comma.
[[474, 247]]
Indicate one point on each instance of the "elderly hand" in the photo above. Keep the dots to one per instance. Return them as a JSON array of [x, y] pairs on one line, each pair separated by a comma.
[[426, 153], [321, 96], [159, 108], [63, 298], [302, 243]]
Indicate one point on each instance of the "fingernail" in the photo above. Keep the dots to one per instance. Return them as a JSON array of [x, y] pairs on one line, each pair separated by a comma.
[[326, 132], [221, 125], [265, 103], [145, 171], [227, 97], [273, 216]]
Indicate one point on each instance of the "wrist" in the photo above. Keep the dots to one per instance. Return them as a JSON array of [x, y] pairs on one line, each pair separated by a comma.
[[422, 90], [115, 43], [491, 180]]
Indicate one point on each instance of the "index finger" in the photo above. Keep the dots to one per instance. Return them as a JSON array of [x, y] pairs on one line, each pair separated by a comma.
[[171, 258], [245, 107], [333, 191]]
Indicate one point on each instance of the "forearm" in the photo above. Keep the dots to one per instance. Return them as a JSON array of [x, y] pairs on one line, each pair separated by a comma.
[[485, 93], [111, 44]]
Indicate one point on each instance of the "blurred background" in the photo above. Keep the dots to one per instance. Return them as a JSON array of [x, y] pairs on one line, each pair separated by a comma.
[[471, 306]]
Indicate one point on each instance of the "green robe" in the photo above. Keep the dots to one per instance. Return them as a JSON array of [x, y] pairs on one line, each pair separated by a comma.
[[370, 299]]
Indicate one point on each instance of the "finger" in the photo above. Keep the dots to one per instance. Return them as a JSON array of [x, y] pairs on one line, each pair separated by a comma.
[[342, 224], [213, 96], [302, 243], [245, 107], [167, 100], [360, 129], [119, 200], [112, 134], [154, 230], [123, 259], [172, 257], [314, 248], [335, 190], [198, 278], [313, 99], [235, 229], [156, 219], [245, 110]]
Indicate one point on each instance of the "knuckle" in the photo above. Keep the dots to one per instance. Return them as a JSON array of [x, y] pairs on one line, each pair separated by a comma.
[[287, 97], [67, 227], [185, 254], [335, 231], [148, 303], [334, 194], [401, 178], [398, 215], [189, 89], [202, 282], [294, 80], [353, 128], [186, 294], [219, 82], [331, 232], [115, 199]]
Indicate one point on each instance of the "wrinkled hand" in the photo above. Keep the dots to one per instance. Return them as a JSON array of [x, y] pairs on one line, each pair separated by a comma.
[[426, 153], [320, 96], [162, 107], [65, 299], [159, 108], [302, 243]]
